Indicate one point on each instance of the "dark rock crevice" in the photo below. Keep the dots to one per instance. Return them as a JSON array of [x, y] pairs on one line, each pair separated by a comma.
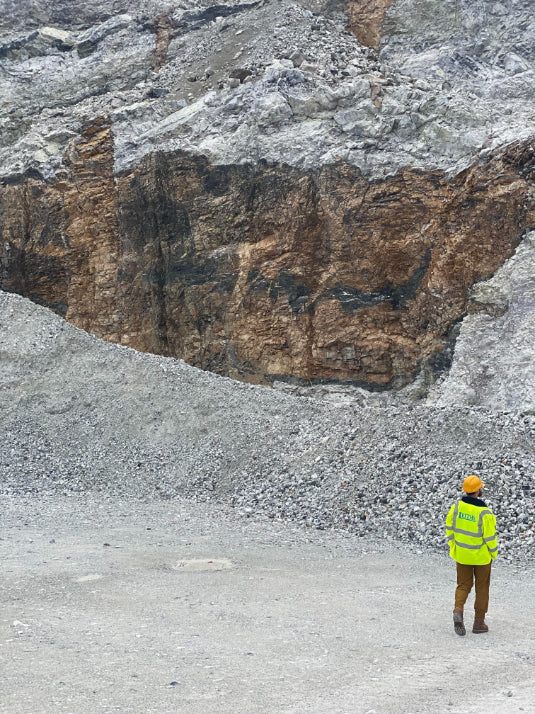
[[195, 19], [396, 296]]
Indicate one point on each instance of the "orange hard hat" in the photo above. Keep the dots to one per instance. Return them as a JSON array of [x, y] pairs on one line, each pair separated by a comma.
[[472, 483]]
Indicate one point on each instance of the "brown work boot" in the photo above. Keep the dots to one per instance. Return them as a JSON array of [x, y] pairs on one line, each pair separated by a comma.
[[458, 623], [479, 627]]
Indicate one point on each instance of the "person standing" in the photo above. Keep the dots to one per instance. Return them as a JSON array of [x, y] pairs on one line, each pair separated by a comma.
[[471, 533]]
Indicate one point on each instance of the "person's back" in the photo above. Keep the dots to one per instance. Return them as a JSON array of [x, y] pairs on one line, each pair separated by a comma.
[[471, 533]]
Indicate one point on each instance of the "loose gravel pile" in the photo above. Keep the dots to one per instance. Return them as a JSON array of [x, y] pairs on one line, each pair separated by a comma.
[[81, 415]]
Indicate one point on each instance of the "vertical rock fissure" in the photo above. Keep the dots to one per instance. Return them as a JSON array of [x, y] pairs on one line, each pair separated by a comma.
[[160, 297], [26, 233], [91, 231], [163, 27], [366, 19]]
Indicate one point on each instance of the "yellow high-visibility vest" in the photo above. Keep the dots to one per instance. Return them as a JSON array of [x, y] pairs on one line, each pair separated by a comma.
[[471, 534]]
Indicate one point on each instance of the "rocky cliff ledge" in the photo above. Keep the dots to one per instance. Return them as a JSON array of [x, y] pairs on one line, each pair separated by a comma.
[[284, 205]]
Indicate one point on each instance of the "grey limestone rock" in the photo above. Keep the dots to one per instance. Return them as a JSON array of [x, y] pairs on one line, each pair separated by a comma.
[[451, 80], [494, 362]]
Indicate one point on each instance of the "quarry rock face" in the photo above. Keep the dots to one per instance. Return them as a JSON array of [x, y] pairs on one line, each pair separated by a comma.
[[257, 190], [263, 272]]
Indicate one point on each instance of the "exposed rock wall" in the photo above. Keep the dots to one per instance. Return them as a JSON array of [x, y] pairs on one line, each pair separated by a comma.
[[245, 185], [163, 28], [264, 271]]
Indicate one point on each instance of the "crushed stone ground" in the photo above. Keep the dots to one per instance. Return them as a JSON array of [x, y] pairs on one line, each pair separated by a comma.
[[173, 541], [113, 604]]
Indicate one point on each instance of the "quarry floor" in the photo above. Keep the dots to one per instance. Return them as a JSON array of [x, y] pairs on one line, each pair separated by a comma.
[[121, 605]]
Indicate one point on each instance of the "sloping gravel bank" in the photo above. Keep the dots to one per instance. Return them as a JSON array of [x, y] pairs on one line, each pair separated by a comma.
[[78, 414]]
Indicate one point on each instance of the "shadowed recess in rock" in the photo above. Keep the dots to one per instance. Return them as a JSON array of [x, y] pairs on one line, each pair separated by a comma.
[[285, 284]]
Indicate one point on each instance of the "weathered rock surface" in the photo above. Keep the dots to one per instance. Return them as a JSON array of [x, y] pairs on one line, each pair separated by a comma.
[[441, 90], [493, 364], [366, 19], [247, 187], [348, 279]]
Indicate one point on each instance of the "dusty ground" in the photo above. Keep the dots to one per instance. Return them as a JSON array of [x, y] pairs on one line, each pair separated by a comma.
[[116, 605]]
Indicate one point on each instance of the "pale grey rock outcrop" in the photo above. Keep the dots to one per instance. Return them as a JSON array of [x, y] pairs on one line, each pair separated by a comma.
[[243, 82], [494, 363], [483, 53]]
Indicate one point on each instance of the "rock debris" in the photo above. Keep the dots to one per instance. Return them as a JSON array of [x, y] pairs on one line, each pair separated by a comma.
[[79, 415]]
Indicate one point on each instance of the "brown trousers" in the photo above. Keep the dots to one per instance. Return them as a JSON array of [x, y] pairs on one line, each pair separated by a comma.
[[465, 580]]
